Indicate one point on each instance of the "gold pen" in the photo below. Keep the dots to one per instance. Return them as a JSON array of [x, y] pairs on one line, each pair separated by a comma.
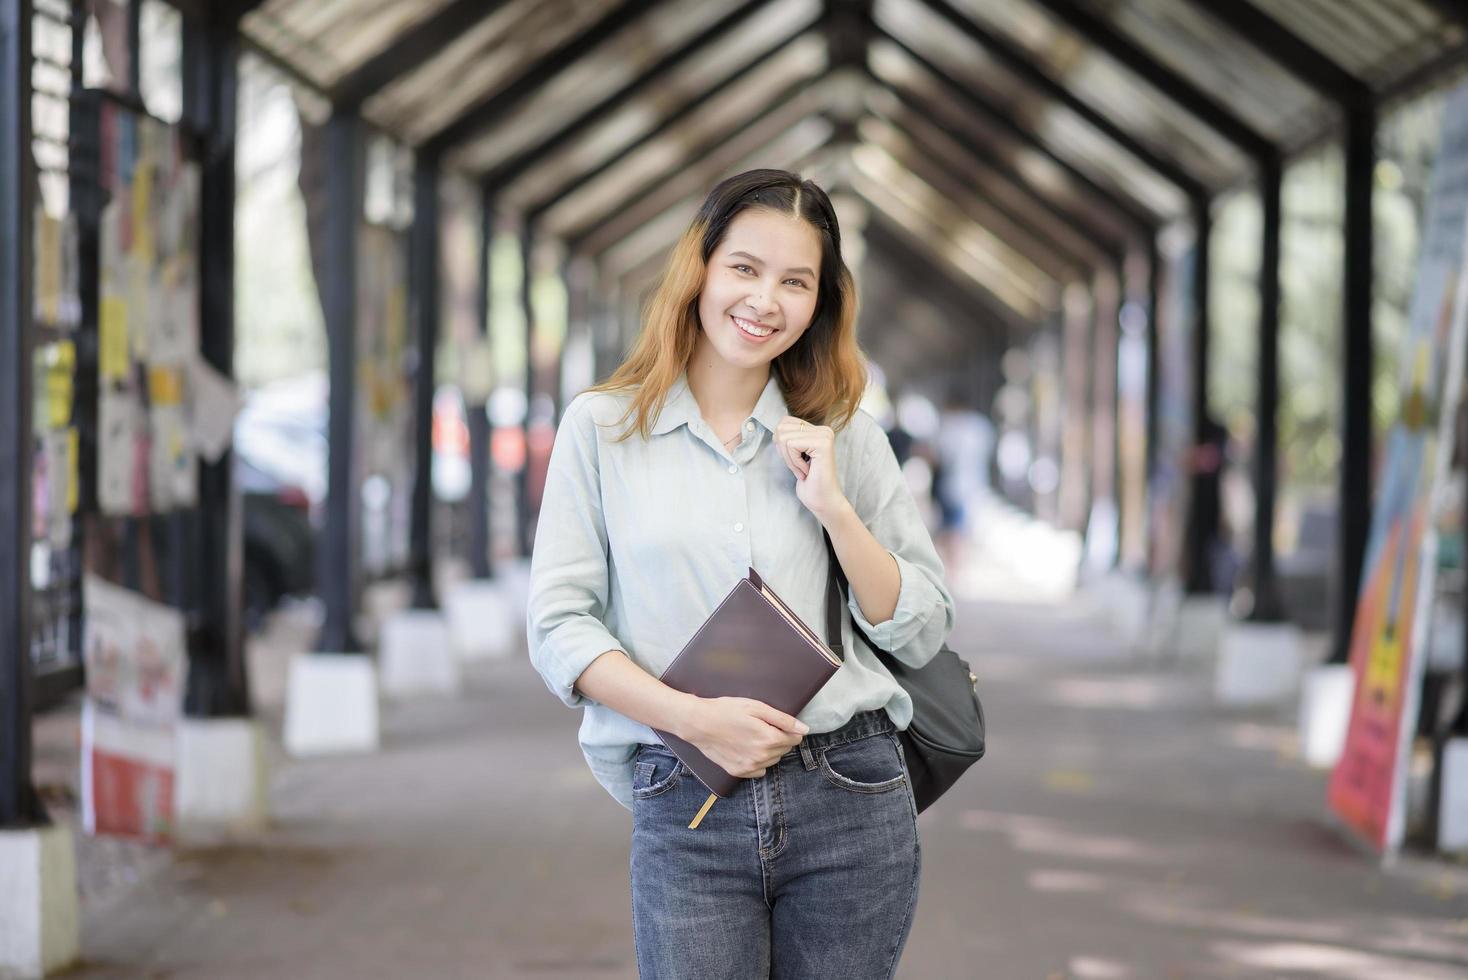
[[705, 809]]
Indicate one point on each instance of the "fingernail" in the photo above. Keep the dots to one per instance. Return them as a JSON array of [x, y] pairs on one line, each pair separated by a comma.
[[804, 728]]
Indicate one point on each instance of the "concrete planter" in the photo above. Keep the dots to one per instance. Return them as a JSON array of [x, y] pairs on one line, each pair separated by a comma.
[[416, 656], [40, 930], [220, 779], [331, 704], [1258, 664], [1325, 713]]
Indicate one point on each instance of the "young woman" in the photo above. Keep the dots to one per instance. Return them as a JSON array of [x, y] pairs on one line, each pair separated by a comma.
[[727, 440]]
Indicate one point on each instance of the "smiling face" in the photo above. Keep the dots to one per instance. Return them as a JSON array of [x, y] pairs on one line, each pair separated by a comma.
[[759, 289]]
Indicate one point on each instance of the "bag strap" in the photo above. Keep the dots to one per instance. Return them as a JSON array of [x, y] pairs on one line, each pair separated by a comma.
[[835, 598]]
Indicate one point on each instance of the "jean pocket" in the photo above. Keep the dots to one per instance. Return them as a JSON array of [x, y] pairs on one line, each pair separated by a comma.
[[654, 772], [868, 765]]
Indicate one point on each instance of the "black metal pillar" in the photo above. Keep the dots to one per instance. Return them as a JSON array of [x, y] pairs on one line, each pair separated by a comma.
[[1267, 608], [1202, 527], [1355, 485], [578, 324], [1073, 500], [1458, 728], [134, 47], [522, 485], [336, 571], [608, 327], [480, 461], [423, 281], [217, 684], [1103, 405], [19, 805], [1151, 398]]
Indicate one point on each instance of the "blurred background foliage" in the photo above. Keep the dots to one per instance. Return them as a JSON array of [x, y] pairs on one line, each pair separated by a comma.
[[1311, 313]]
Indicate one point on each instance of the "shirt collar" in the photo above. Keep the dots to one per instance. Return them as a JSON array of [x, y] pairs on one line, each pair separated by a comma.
[[681, 407]]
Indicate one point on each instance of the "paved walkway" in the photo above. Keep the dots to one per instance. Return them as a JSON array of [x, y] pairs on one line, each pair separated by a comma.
[[1120, 827]]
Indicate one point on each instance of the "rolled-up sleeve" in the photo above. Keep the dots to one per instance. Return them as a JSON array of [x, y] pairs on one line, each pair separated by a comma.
[[925, 610], [568, 566]]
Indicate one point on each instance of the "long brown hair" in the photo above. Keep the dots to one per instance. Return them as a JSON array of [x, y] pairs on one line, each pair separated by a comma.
[[822, 375]]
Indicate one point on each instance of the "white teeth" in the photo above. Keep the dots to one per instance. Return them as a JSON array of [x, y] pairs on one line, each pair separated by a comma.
[[750, 328]]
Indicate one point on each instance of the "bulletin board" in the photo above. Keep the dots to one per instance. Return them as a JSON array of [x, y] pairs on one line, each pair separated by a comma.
[[147, 315], [55, 466]]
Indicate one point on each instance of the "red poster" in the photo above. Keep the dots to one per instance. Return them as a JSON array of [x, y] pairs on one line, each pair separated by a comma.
[[1368, 786], [127, 776]]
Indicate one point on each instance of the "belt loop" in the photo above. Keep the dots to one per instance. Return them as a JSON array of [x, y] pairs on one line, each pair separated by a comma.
[[807, 756]]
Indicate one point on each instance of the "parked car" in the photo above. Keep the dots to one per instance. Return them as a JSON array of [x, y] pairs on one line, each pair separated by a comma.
[[280, 542], [280, 449]]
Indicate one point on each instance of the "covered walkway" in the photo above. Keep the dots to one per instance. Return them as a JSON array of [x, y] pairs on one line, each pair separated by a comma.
[[1154, 245]]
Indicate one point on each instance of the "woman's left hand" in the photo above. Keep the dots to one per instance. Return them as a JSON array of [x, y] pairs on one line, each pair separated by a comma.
[[817, 484]]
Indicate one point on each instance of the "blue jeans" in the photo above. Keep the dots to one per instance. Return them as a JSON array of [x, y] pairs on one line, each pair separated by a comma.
[[809, 871]]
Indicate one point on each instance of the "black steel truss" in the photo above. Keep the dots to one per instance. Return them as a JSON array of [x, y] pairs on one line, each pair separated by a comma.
[[1288, 50], [410, 51], [496, 106], [576, 241], [984, 159], [1023, 65], [941, 177], [1184, 93], [512, 168], [1139, 216], [668, 121], [913, 102]]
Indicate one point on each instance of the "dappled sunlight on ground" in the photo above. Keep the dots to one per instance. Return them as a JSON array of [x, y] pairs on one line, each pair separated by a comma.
[[1097, 968], [1012, 557], [1121, 826], [1038, 835], [1108, 692], [1312, 959]]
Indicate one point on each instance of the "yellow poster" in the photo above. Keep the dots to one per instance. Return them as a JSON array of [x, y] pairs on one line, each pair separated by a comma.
[[142, 211], [48, 267], [60, 363], [165, 386], [73, 467], [112, 346]]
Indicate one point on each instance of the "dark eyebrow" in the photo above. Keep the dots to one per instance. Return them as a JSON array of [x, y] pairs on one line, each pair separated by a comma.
[[755, 259]]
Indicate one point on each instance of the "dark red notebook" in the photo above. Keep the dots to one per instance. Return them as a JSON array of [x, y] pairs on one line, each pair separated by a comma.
[[751, 646]]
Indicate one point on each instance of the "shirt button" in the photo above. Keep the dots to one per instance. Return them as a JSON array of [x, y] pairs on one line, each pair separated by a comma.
[[733, 468], [749, 426], [738, 528]]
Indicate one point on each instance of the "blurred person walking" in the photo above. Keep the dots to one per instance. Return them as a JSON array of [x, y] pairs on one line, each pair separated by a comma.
[[964, 443], [745, 442]]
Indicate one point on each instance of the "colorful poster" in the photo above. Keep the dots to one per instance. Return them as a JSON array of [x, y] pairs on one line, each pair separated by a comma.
[[136, 653], [118, 438], [1368, 787], [384, 400], [148, 317], [53, 472], [216, 402], [135, 668], [57, 299], [127, 775]]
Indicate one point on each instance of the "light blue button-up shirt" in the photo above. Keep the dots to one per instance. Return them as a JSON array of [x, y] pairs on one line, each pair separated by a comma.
[[639, 541]]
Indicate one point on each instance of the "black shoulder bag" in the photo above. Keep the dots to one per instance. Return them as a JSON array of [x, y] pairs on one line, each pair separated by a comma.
[[946, 735]]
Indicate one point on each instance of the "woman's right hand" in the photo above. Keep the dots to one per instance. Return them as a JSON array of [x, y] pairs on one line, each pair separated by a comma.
[[742, 736]]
